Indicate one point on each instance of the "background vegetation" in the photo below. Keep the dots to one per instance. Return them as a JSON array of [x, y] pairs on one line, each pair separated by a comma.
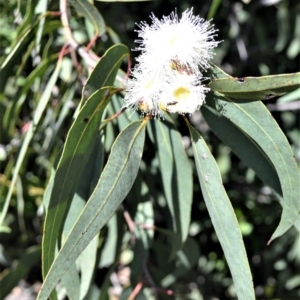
[[259, 38]]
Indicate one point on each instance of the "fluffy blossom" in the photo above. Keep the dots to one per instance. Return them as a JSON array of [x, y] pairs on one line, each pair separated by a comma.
[[168, 76], [143, 92], [182, 94], [188, 41]]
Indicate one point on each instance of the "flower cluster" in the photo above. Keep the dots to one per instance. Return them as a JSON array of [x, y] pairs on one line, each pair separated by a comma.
[[168, 74]]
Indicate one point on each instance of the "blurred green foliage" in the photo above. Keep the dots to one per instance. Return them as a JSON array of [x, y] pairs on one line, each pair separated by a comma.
[[259, 38]]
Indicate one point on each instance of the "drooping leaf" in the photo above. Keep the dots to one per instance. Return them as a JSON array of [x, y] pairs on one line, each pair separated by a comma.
[[256, 88], [87, 266], [177, 178], [186, 258], [125, 118], [24, 38], [256, 121], [167, 271], [292, 96], [78, 147], [222, 216], [294, 47], [71, 282], [87, 259], [42, 9], [243, 146], [114, 184], [109, 250]]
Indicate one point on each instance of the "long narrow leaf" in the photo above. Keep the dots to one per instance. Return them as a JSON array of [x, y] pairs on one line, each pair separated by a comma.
[[256, 88], [105, 71], [76, 151], [78, 147], [223, 217], [114, 184], [243, 146], [246, 149], [257, 122], [177, 179]]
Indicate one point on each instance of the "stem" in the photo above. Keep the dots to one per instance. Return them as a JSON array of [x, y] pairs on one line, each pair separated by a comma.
[[69, 36]]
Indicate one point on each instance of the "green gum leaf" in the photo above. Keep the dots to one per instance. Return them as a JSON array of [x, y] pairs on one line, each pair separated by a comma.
[[256, 88], [79, 143], [243, 146], [222, 216], [177, 178], [105, 71], [114, 184], [77, 148], [255, 120]]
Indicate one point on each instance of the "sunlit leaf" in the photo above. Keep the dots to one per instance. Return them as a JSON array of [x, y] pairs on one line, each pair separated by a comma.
[[256, 88]]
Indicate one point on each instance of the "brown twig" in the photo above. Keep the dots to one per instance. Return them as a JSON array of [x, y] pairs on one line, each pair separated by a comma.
[[115, 115], [92, 42], [130, 223], [69, 36], [136, 291]]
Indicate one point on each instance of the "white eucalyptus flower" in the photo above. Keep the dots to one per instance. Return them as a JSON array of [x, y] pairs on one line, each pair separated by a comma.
[[188, 41], [143, 92], [167, 76], [182, 93]]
